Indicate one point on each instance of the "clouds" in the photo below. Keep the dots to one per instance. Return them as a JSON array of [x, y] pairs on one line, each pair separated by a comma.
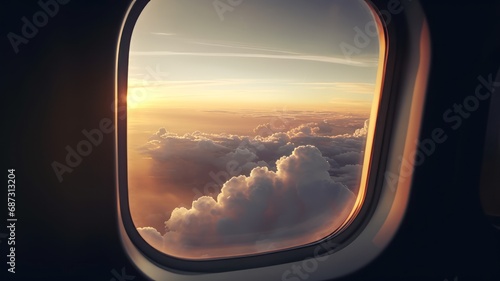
[[363, 131], [313, 58], [344, 87], [152, 236], [278, 207], [254, 193], [206, 159]]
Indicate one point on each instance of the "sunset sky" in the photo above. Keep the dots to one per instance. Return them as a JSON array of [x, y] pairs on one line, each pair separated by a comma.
[[204, 90]]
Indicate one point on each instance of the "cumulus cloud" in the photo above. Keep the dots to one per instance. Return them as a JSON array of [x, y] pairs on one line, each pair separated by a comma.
[[199, 156], [267, 191], [152, 236], [278, 207], [363, 131]]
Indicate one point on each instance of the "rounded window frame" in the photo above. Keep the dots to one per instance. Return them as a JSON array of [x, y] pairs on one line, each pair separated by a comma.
[[384, 131]]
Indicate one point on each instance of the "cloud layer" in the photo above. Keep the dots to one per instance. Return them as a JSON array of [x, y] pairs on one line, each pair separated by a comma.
[[277, 207], [210, 153], [271, 191]]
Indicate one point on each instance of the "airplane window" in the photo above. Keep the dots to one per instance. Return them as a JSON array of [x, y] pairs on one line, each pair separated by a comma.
[[247, 123]]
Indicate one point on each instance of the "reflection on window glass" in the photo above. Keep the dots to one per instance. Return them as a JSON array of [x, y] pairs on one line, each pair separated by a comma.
[[247, 122]]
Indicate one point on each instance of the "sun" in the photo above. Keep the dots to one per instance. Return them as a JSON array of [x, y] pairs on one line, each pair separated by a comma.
[[136, 97]]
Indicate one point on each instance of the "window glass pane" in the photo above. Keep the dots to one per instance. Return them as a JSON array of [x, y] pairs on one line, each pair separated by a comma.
[[247, 122]]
